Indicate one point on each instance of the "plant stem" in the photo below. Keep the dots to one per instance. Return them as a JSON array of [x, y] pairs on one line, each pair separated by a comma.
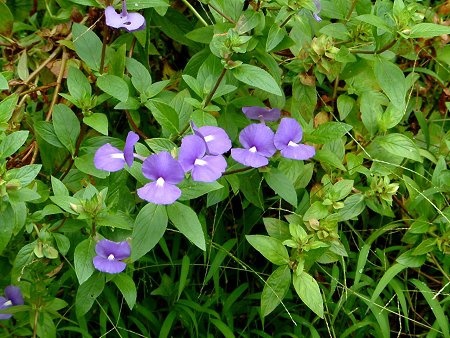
[[194, 11], [381, 50], [286, 20], [237, 171], [226, 17], [213, 90], [350, 11], [62, 68]]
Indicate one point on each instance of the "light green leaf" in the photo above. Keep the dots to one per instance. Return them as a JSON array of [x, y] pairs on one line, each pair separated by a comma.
[[186, 220], [114, 86], [98, 122], [127, 288], [88, 292], [78, 85], [309, 292], [149, 227], [256, 77], [399, 145], [328, 131], [83, 255], [87, 45], [281, 185], [392, 81], [275, 288], [7, 107], [269, 247], [140, 77], [427, 30], [134, 5], [67, 126], [12, 143]]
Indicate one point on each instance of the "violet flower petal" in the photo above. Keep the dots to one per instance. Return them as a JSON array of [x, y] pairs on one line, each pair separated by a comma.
[[217, 140], [249, 158], [261, 113], [111, 266], [109, 158], [289, 130], [259, 136], [159, 192], [121, 250], [298, 151], [128, 150], [4, 304], [192, 148], [14, 294], [163, 165], [209, 168], [130, 21], [317, 11]]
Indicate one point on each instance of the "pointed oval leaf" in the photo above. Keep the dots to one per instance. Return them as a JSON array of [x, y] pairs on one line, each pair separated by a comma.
[[257, 77], [269, 247]]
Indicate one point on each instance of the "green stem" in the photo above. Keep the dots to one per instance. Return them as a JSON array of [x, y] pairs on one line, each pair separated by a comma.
[[214, 89], [226, 17], [381, 50], [194, 11], [236, 171], [286, 20], [350, 11]]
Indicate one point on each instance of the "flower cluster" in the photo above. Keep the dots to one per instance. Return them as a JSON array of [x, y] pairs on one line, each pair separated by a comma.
[[128, 20], [12, 297], [260, 142], [201, 154]]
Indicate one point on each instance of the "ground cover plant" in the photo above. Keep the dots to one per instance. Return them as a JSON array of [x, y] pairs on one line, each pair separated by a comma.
[[185, 168]]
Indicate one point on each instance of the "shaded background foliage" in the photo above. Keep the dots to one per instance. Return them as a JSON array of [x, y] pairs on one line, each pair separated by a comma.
[[364, 224]]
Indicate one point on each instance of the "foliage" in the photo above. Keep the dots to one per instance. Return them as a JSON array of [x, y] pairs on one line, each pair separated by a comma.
[[353, 241]]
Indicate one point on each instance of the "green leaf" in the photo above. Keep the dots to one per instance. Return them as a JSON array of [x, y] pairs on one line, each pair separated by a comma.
[[282, 186], [148, 229], [46, 131], [87, 45], [353, 206], [256, 77], [222, 327], [12, 143], [316, 211], [4, 86], [165, 115], [328, 132], [269, 247], [7, 219], [185, 265], [67, 126], [7, 107], [221, 254], [25, 174], [85, 164], [114, 86], [78, 85], [191, 189], [399, 145], [275, 36], [186, 220], [277, 228], [62, 242], [127, 288], [98, 122], [83, 255], [427, 30], [434, 305], [345, 105], [6, 20], [140, 77], [390, 273], [275, 289], [140, 4], [88, 292], [308, 290], [392, 81], [375, 21], [58, 187]]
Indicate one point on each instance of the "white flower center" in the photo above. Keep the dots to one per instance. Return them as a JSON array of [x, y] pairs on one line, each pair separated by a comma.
[[7, 303], [200, 162], [252, 149], [111, 257], [292, 144], [117, 155], [208, 138], [160, 182]]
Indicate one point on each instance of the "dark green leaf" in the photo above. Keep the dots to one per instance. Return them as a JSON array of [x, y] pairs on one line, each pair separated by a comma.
[[275, 288], [127, 288], [83, 256], [67, 126]]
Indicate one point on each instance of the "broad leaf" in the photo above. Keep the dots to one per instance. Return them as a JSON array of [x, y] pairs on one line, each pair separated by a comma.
[[269, 247], [309, 292]]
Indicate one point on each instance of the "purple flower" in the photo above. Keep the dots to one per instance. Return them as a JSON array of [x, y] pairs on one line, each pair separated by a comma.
[[13, 296], [317, 11], [287, 137], [192, 157], [217, 140], [261, 113], [110, 255], [257, 140], [110, 158], [165, 172], [130, 21]]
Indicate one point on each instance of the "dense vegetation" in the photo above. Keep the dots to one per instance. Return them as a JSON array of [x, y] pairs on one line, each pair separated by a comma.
[[186, 168]]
